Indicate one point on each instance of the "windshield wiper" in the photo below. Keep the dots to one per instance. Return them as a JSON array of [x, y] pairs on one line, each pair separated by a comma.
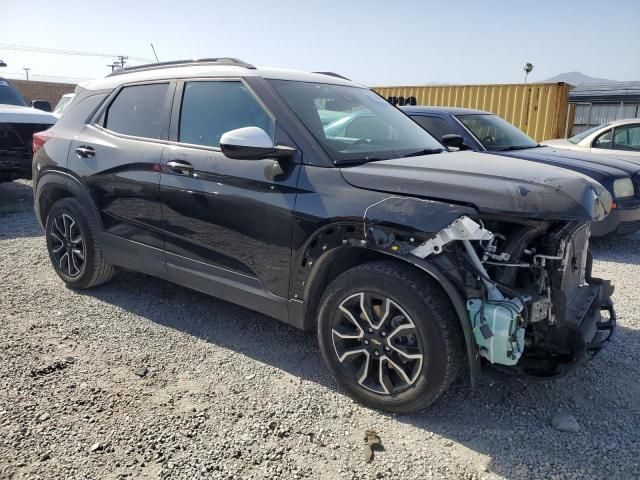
[[356, 161], [514, 147], [425, 151]]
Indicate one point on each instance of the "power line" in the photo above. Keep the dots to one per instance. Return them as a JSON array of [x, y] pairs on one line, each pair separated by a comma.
[[57, 51], [33, 76]]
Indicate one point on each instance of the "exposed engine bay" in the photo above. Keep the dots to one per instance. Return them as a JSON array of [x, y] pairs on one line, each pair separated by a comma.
[[530, 297]]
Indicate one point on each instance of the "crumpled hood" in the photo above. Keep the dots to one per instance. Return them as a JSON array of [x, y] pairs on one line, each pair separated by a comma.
[[492, 184], [18, 114]]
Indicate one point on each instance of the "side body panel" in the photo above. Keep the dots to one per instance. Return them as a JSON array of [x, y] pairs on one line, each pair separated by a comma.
[[123, 180]]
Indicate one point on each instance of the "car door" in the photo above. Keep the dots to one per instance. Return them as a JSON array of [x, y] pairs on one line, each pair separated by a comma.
[[117, 157], [225, 219], [626, 139]]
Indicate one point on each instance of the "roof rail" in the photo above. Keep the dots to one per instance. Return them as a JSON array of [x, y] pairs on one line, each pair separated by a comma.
[[332, 74], [224, 61]]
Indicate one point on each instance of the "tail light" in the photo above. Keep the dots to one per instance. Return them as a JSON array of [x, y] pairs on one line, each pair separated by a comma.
[[40, 138]]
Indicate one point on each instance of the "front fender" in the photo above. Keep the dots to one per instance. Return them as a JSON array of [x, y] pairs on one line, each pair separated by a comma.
[[392, 227]]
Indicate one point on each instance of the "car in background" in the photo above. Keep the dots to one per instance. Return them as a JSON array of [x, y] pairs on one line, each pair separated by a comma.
[[63, 104], [482, 131], [621, 137], [19, 120]]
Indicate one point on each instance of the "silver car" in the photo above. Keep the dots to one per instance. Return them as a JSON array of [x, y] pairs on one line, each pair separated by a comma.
[[621, 137]]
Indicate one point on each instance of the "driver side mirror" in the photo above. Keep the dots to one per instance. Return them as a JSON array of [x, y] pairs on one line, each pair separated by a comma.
[[41, 105], [452, 140], [252, 143]]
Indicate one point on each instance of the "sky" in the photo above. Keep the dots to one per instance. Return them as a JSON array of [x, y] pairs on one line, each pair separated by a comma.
[[399, 42]]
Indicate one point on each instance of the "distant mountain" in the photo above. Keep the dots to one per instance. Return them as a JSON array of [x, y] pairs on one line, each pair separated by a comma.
[[577, 79]]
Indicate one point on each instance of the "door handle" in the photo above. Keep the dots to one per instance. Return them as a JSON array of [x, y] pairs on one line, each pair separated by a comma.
[[180, 166], [85, 152]]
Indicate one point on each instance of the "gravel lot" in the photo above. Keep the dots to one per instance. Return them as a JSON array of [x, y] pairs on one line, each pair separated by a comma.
[[141, 378]]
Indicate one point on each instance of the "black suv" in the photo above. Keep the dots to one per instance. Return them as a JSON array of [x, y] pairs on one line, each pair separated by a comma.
[[411, 262]]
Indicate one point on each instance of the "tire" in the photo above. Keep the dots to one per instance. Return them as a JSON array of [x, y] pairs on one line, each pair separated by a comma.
[[414, 327], [69, 231]]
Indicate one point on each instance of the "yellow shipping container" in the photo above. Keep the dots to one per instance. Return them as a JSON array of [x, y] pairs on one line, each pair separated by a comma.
[[539, 109]]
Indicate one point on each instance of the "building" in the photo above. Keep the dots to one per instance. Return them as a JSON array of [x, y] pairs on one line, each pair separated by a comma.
[[49, 91], [597, 104]]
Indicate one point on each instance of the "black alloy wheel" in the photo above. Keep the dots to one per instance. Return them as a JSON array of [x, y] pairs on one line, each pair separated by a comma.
[[67, 245]]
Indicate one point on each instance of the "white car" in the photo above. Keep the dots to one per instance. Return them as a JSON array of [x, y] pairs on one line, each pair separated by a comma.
[[19, 120], [621, 137]]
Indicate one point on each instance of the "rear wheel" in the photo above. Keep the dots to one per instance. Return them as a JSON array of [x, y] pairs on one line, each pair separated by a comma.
[[389, 336], [71, 242]]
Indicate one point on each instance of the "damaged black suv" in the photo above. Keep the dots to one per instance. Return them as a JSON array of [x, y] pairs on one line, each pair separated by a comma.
[[412, 263]]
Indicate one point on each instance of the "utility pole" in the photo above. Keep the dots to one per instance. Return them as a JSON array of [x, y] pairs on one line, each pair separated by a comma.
[[119, 64], [122, 60], [26, 71], [527, 70]]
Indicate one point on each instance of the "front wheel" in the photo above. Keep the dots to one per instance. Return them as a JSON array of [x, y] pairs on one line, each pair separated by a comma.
[[74, 253], [389, 336]]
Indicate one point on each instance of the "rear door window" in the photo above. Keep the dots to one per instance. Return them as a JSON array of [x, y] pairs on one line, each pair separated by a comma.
[[138, 110], [212, 108]]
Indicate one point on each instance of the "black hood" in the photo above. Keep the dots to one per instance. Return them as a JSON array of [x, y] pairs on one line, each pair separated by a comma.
[[492, 184], [595, 166]]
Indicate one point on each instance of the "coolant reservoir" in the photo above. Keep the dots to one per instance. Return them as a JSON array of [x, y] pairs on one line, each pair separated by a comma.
[[499, 338]]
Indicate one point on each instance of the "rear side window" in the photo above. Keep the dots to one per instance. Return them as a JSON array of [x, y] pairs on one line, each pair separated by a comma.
[[137, 110], [435, 126], [210, 109]]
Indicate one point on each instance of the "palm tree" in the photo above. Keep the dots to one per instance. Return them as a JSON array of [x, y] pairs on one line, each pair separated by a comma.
[[527, 69]]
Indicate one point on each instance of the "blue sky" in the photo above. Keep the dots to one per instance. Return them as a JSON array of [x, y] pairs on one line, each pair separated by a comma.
[[374, 42]]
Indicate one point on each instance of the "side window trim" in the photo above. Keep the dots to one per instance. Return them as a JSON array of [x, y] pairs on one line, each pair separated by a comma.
[[595, 140], [99, 118], [176, 109], [476, 140]]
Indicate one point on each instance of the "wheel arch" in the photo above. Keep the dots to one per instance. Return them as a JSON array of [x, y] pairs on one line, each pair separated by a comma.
[[338, 260], [53, 186]]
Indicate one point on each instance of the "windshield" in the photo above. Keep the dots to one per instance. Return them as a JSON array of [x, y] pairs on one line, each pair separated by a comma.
[[10, 96], [582, 135], [354, 124], [495, 133]]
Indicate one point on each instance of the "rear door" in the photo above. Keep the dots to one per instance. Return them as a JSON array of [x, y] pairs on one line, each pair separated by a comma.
[[118, 157], [225, 218]]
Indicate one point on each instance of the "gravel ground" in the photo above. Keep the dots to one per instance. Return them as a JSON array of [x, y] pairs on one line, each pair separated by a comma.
[[141, 378]]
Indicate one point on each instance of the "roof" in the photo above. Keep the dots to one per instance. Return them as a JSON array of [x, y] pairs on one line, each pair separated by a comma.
[[193, 69], [606, 92], [624, 121], [449, 110]]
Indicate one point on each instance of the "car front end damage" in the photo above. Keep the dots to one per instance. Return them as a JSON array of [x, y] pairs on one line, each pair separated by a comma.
[[532, 302], [15, 149], [512, 253]]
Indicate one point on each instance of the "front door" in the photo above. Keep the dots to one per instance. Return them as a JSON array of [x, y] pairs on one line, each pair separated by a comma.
[[222, 217]]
